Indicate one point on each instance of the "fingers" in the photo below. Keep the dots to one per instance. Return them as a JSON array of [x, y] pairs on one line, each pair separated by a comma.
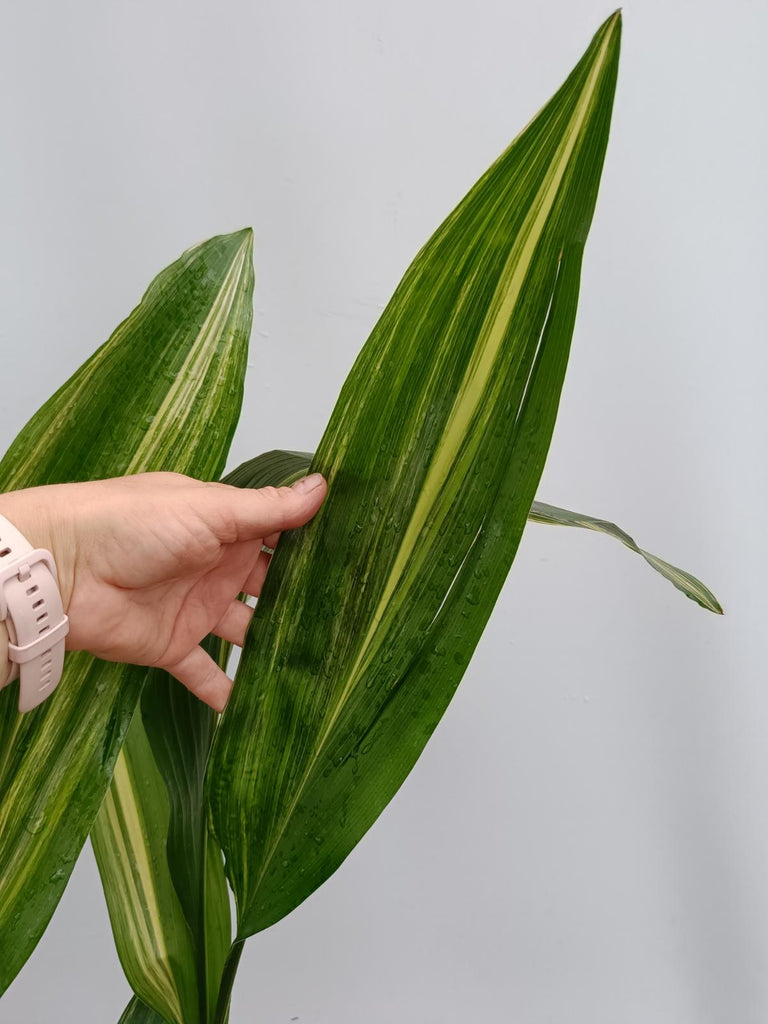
[[271, 540], [250, 514], [255, 580], [203, 677], [233, 625]]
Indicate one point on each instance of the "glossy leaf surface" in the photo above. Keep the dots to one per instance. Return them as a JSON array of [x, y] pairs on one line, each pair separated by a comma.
[[370, 614], [163, 393]]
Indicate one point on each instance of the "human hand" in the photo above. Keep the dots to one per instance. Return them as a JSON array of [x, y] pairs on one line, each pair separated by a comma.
[[149, 564]]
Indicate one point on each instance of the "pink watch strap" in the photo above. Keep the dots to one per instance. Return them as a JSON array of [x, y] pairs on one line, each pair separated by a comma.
[[30, 603]]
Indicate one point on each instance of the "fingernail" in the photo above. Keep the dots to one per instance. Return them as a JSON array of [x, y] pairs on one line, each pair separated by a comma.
[[308, 483]]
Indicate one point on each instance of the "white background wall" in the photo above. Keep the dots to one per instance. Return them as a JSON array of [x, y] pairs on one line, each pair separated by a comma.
[[585, 840]]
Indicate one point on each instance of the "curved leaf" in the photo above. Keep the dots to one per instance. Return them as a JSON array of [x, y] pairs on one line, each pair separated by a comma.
[[275, 468], [370, 613], [163, 393]]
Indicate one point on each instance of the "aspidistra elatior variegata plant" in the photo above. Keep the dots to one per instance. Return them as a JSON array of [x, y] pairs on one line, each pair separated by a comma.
[[371, 613]]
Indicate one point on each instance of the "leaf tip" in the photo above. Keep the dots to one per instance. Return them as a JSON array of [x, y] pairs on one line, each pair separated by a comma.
[[611, 27], [243, 237]]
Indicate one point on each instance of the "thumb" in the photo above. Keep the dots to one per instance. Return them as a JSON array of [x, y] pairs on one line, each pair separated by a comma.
[[255, 514]]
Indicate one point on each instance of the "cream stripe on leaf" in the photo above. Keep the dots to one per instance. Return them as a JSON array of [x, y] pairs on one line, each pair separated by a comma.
[[173, 936], [433, 453], [159, 959], [163, 393]]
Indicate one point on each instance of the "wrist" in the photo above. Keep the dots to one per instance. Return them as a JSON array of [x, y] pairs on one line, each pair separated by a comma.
[[35, 628], [6, 666], [29, 511]]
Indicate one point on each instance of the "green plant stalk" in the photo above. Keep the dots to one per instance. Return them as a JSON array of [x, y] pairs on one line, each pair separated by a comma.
[[228, 980]]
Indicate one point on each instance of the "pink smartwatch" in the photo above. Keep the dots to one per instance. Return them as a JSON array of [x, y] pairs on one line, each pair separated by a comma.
[[30, 603]]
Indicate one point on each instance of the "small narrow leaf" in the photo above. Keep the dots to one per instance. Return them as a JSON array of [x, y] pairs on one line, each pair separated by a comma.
[[689, 585], [433, 454], [163, 393]]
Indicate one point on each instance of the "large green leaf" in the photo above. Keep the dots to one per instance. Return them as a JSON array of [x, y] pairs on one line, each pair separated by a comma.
[[433, 454], [163, 393]]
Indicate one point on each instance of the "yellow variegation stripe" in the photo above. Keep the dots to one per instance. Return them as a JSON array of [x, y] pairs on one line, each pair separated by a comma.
[[176, 919], [121, 851], [199, 360], [435, 495], [26, 856]]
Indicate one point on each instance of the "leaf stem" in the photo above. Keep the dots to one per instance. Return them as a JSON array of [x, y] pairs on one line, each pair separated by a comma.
[[228, 980]]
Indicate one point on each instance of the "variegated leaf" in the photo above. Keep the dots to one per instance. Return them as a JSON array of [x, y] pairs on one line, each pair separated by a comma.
[[163, 393], [370, 614], [162, 872]]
